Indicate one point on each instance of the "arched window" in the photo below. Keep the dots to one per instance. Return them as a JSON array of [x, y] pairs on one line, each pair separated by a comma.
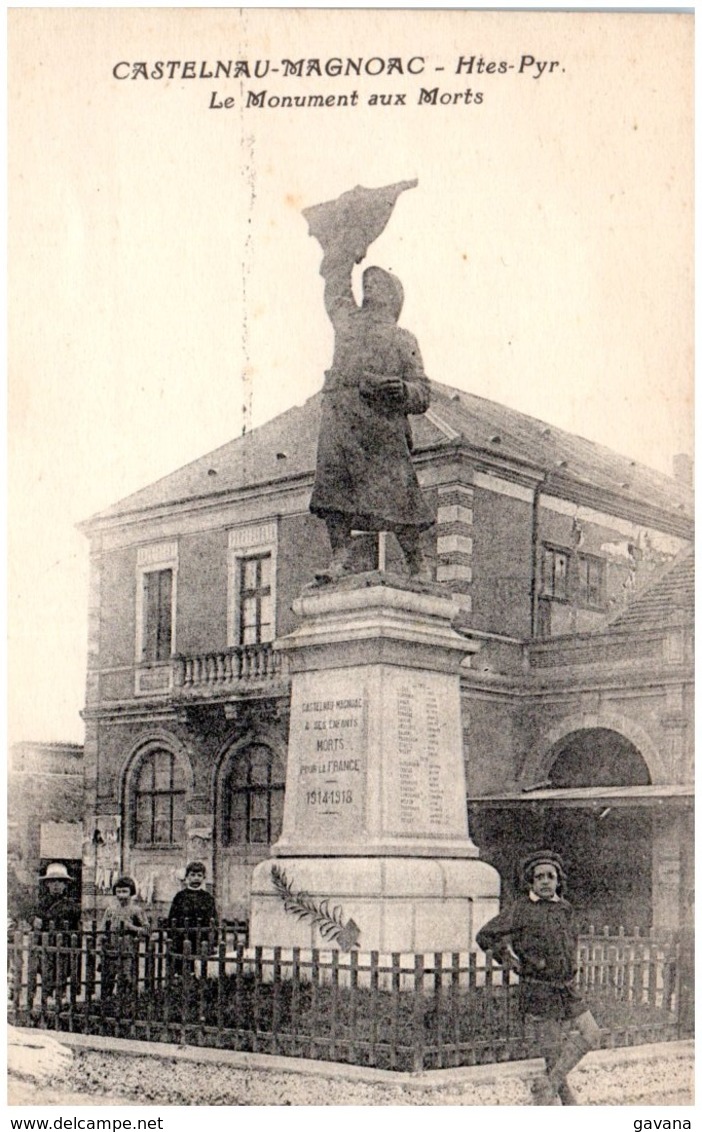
[[158, 797], [598, 756], [253, 798]]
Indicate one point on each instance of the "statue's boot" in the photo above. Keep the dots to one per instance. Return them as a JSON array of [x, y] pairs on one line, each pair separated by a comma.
[[339, 531], [417, 563], [339, 565], [418, 566]]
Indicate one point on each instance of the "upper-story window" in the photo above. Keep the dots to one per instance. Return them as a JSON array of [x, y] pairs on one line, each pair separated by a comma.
[[157, 567], [255, 620], [156, 581], [555, 568], [158, 800], [253, 798], [591, 581], [253, 553], [158, 615]]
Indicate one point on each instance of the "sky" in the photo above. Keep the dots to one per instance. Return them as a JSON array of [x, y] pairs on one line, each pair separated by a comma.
[[164, 292]]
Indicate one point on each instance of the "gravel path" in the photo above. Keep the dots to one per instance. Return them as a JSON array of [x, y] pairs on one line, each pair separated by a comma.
[[97, 1077]]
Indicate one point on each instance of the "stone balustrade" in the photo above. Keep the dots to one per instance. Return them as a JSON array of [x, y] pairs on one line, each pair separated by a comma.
[[208, 673]]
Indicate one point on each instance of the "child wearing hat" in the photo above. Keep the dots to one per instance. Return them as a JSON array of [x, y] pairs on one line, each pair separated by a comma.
[[537, 936], [58, 911], [58, 906]]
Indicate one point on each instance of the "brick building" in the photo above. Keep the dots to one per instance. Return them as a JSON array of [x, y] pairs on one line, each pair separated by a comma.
[[44, 817], [570, 564]]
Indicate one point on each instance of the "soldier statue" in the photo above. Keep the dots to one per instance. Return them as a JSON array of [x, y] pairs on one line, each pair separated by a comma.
[[365, 479]]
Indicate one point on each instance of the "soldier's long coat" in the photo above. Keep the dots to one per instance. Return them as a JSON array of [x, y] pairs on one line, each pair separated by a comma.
[[364, 465]]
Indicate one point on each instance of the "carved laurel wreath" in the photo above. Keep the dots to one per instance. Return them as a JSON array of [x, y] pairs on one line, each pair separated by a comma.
[[328, 920]]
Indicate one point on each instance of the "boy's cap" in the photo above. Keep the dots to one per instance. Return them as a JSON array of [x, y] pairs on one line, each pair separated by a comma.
[[543, 857], [195, 867]]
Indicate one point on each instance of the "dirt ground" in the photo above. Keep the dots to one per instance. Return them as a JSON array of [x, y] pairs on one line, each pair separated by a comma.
[[649, 1075], [263, 1088]]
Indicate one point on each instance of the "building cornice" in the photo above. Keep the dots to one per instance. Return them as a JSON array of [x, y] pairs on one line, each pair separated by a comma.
[[644, 681], [605, 500], [129, 711], [191, 503]]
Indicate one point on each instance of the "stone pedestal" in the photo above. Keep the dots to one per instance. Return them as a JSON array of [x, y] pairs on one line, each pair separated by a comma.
[[375, 820]]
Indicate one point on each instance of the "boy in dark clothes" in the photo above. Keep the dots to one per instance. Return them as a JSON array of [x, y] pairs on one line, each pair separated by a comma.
[[192, 913], [537, 936], [59, 914], [58, 905]]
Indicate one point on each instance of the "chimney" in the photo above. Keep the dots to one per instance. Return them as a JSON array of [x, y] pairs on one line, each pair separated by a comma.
[[682, 468]]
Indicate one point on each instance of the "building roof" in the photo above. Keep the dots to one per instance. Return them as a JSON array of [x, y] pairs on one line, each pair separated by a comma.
[[671, 591], [285, 448], [29, 757], [597, 795]]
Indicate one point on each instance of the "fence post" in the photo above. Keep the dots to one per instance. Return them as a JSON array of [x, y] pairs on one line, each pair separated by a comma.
[[277, 981], [353, 991], [124, 989], [395, 999], [334, 1004], [438, 1013], [455, 1013], [418, 1028], [167, 976], [90, 970], [16, 969], [46, 959], [75, 956], [187, 977], [685, 955], [149, 969], [33, 961], [238, 986], [374, 961], [104, 959], [221, 970], [295, 998], [476, 1003], [258, 987], [160, 958]]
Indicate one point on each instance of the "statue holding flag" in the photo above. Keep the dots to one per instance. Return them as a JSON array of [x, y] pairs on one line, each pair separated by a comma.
[[365, 479]]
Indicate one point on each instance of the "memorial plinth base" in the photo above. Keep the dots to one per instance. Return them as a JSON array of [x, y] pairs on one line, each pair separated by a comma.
[[375, 821], [397, 903]]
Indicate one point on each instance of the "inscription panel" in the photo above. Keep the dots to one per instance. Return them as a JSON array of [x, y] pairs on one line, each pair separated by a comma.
[[153, 679], [424, 781], [328, 726]]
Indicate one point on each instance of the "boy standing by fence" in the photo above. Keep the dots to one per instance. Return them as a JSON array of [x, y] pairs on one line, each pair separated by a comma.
[[537, 937], [58, 914], [192, 915]]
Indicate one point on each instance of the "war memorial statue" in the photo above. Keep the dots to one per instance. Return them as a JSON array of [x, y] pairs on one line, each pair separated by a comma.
[[375, 853], [365, 479]]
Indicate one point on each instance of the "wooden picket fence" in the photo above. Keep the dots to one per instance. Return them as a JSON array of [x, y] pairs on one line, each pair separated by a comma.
[[405, 1012]]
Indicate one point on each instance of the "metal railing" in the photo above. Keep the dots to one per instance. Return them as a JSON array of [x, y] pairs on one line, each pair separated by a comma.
[[405, 1012]]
